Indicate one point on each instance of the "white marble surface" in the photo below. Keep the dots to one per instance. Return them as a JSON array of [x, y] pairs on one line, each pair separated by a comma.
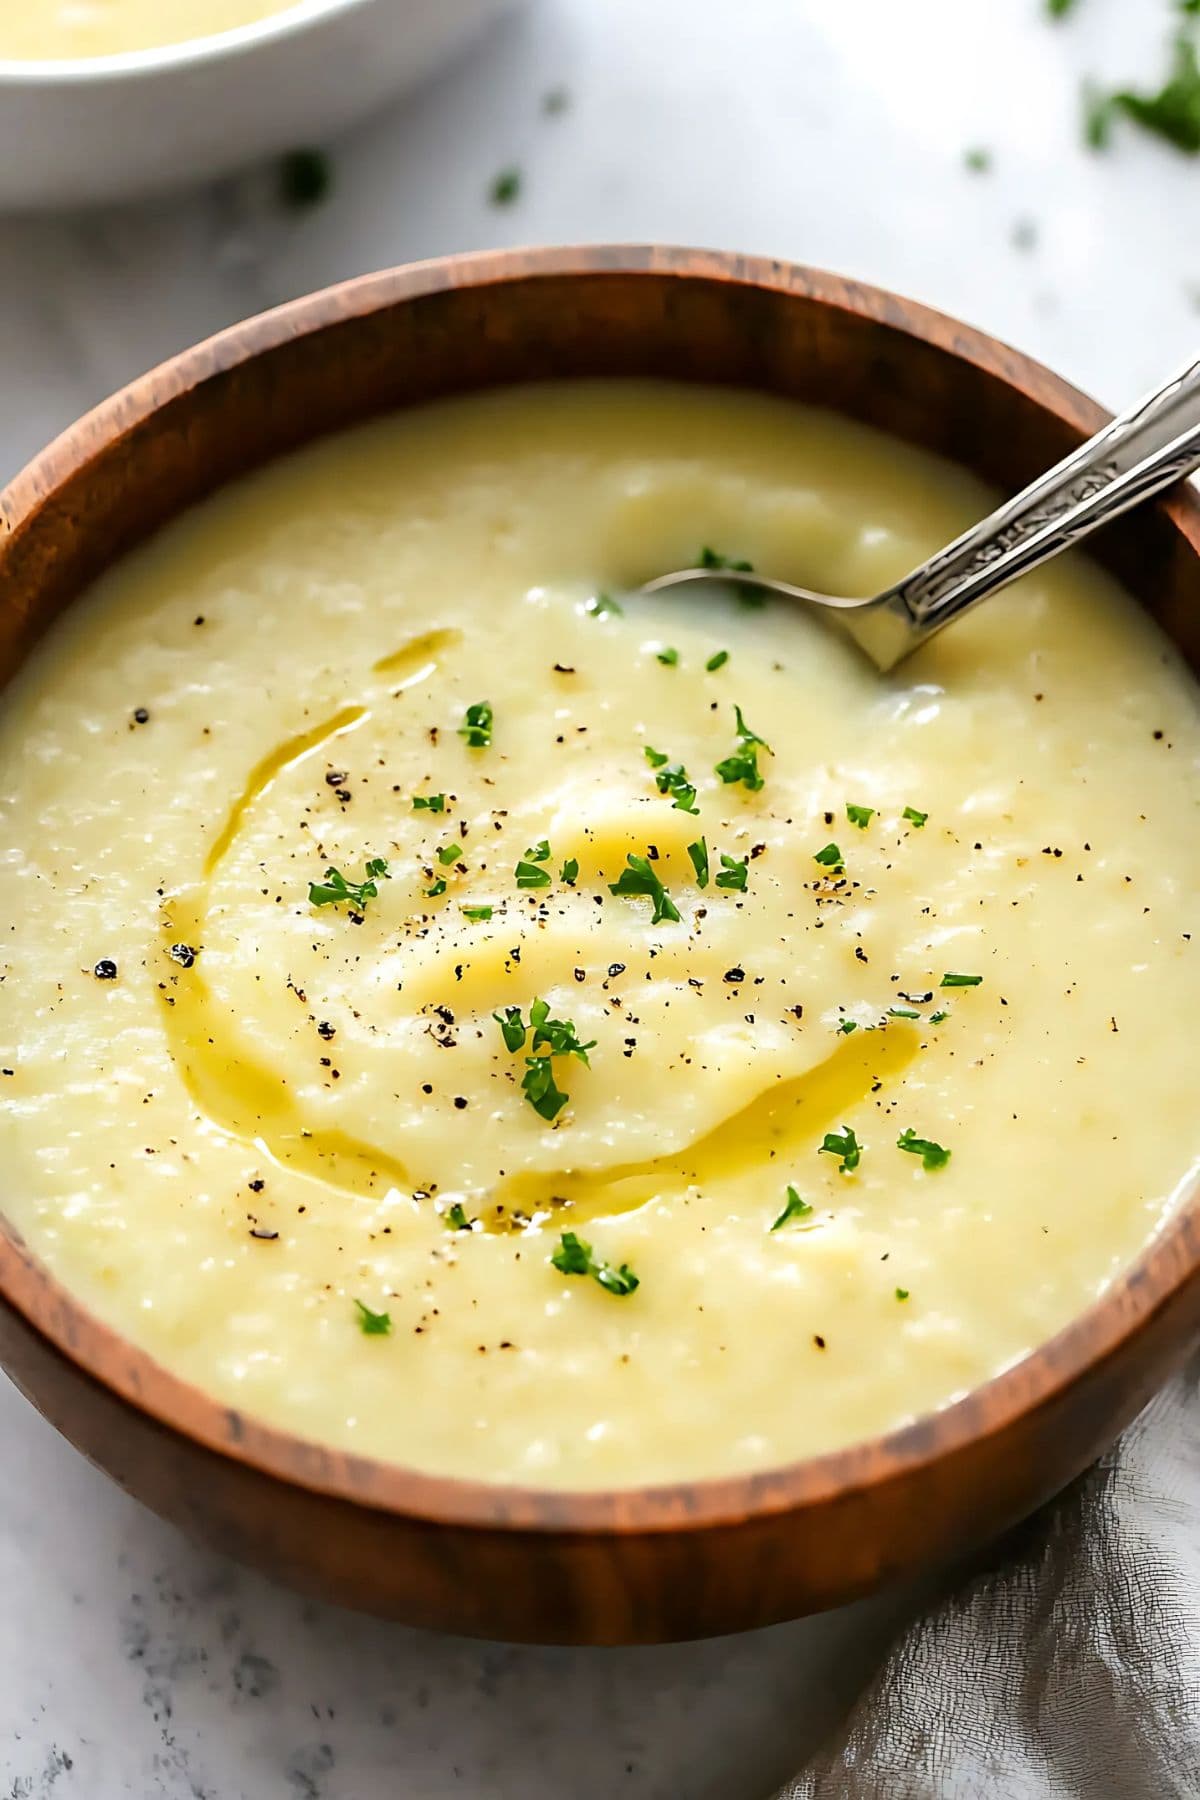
[[830, 131]]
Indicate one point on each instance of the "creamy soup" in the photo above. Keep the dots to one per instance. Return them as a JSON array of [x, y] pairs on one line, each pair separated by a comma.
[[52, 29], [458, 1009]]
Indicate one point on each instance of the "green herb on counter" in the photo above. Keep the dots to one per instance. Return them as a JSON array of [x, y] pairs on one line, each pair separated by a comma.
[[305, 178], [575, 1257], [505, 187]]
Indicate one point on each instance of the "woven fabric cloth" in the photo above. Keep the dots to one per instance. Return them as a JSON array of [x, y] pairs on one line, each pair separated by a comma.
[[1071, 1670]]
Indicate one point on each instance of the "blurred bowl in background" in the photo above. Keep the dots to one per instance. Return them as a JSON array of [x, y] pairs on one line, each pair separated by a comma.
[[87, 130]]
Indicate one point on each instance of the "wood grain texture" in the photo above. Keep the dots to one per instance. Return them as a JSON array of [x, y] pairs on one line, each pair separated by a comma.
[[634, 1565]]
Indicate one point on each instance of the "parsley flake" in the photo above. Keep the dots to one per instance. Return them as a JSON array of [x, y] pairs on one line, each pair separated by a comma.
[[914, 817], [950, 980], [860, 815], [902, 1293], [456, 1217], [476, 727], [550, 1038], [712, 559], [743, 764], [903, 1012], [842, 1143], [335, 888], [932, 1155], [477, 914], [733, 873], [672, 778], [829, 858], [434, 803], [373, 1324], [846, 1026], [435, 888], [601, 605], [639, 879], [529, 871], [717, 660], [505, 187], [449, 853], [570, 871], [699, 855], [937, 1017], [668, 656], [575, 1257], [796, 1208]]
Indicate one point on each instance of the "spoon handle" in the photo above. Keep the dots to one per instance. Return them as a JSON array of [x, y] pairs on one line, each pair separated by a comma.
[[1144, 450]]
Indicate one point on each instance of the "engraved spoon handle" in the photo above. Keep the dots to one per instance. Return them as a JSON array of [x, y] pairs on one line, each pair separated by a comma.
[[1145, 449]]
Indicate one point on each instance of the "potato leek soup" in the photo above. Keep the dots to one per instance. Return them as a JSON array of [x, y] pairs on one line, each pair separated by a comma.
[[457, 1008], [53, 29]]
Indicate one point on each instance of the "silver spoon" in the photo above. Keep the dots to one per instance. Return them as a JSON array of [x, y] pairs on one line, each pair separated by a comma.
[[1144, 450]]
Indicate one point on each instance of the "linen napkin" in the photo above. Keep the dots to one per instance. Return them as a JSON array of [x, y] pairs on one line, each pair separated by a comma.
[[1071, 1669]]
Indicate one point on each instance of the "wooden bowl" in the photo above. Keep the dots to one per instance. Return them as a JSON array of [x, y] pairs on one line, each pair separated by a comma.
[[636, 1565]]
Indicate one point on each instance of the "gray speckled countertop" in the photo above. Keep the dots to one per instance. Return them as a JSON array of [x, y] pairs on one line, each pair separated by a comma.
[[130, 1662]]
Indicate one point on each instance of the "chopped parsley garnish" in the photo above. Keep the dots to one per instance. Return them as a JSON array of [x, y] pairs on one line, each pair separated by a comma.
[[672, 778], [550, 1038], [842, 1143], [712, 559], [914, 817], [449, 853], [529, 872], [733, 873], [932, 1155], [717, 660], [860, 815], [978, 160], [570, 871], [937, 1017], [829, 858], [434, 803], [335, 888], [699, 855], [950, 980], [505, 187], [456, 1217], [1058, 9], [902, 1293], [743, 764], [796, 1208], [668, 655], [435, 888], [512, 1027], [600, 605], [476, 727], [477, 914], [903, 1012], [373, 1324], [574, 1257], [639, 879], [846, 1026], [305, 178]]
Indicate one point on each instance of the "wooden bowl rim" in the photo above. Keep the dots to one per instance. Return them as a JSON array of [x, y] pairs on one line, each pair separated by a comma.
[[1136, 1295]]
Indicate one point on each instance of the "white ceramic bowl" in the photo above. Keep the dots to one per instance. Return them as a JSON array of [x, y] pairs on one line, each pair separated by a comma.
[[106, 128]]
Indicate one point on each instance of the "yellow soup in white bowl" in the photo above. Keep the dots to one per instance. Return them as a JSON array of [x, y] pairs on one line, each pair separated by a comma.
[[460, 1010], [46, 30]]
